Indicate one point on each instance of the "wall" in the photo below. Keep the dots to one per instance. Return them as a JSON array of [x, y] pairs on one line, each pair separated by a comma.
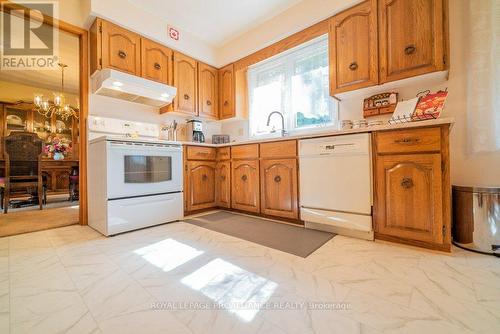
[[13, 92], [104, 106], [466, 168], [135, 19], [75, 12], [296, 18]]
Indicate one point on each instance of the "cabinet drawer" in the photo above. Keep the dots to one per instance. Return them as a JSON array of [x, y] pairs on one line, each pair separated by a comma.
[[407, 141], [200, 153], [245, 151], [280, 149], [224, 153]]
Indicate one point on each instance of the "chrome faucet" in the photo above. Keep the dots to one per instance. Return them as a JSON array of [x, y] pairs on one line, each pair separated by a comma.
[[283, 131]]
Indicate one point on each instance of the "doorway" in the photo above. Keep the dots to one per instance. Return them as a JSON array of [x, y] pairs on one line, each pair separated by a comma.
[[47, 109]]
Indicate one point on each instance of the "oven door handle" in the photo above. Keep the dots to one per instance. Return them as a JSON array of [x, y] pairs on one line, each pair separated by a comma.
[[142, 200], [124, 146]]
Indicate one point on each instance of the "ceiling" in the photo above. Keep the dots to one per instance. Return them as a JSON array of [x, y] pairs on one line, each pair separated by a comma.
[[51, 79], [215, 21]]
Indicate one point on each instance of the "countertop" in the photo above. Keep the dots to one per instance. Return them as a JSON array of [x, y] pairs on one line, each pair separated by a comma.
[[312, 134], [327, 133]]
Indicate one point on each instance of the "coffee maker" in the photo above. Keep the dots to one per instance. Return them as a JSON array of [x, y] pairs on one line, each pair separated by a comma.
[[195, 131]]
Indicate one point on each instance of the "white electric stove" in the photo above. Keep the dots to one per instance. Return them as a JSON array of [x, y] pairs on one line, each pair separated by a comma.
[[134, 180]]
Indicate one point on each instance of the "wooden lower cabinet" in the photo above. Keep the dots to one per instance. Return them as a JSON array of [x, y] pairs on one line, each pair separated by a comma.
[[410, 197], [56, 175], [223, 184], [200, 185], [412, 190], [279, 188], [245, 185]]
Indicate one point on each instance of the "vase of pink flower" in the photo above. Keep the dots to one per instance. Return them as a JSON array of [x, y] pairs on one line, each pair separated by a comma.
[[57, 148]]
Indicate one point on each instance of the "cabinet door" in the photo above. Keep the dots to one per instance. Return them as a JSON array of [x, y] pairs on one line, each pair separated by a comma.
[[279, 188], [186, 81], [223, 184], [208, 91], [245, 185], [411, 38], [121, 49], [156, 62], [354, 48], [226, 91], [409, 197], [62, 180], [201, 185]]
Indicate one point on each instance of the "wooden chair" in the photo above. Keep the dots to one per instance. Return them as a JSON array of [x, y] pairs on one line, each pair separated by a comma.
[[23, 157], [2, 190], [74, 182]]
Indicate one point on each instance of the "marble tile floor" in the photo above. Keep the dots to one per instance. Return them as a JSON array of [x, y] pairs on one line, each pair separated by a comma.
[[180, 278]]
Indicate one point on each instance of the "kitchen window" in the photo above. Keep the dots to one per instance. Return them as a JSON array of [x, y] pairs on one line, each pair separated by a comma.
[[295, 83]]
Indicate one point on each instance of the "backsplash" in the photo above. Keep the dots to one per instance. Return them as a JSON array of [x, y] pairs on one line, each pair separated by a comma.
[[350, 107], [351, 104], [103, 106]]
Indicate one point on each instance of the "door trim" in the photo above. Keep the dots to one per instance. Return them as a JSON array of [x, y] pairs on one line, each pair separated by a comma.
[[82, 34]]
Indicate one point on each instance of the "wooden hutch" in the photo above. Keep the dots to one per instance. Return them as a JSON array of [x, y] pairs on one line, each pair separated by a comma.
[[23, 117]]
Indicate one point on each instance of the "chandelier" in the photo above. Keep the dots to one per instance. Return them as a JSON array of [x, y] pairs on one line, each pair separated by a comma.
[[59, 107]]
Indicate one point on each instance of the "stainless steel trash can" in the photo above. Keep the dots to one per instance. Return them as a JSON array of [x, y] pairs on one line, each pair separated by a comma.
[[476, 219]]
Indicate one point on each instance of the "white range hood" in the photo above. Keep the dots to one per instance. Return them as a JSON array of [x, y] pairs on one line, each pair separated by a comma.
[[132, 88]]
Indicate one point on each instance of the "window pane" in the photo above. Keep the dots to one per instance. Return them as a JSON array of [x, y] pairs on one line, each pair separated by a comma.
[[266, 96], [310, 100]]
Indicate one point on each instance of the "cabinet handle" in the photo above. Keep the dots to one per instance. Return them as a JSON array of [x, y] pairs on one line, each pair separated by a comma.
[[226, 103], [157, 66], [209, 103], [410, 49], [122, 54], [407, 183], [186, 97], [353, 66], [277, 179], [204, 177], [407, 141], [244, 177]]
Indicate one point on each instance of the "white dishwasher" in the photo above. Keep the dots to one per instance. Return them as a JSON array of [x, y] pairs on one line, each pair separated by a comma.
[[336, 184]]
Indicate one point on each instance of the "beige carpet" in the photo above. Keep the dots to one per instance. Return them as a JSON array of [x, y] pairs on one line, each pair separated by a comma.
[[37, 220], [291, 239]]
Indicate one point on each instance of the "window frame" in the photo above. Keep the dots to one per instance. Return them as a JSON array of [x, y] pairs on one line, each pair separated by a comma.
[[288, 66]]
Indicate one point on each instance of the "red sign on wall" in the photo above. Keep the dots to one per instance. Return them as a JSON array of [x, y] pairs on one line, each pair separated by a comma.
[[173, 33]]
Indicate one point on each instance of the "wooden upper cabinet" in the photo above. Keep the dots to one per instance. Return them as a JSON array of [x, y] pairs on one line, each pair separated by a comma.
[[223, 184], [354, 48], [226, 92], [279, 188], [411, 38], [208, 91], [156, 62], [201, 185], [409, 198], [245, 185], [121, 49], [186, 81]]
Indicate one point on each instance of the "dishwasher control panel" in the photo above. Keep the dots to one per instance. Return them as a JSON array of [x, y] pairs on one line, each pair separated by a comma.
[[349, 144]]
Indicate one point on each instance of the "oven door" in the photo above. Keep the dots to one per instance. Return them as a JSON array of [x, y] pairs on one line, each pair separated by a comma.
[[139, 169]]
